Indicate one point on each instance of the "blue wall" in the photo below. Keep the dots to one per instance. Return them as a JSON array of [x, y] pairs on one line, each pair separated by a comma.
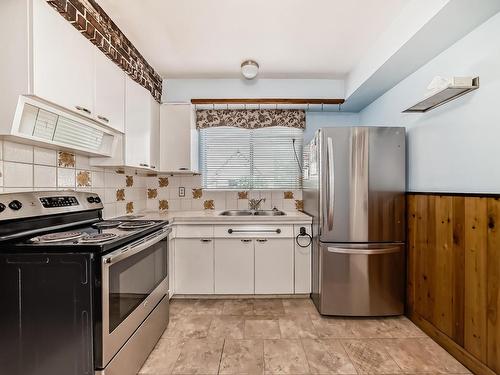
[[455, 147]]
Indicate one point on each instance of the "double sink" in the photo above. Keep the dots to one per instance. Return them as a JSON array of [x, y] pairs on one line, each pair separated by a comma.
[[252, 213]]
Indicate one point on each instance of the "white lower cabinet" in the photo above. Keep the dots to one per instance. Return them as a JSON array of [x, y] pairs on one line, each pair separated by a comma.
[[274, 266], [194, 266], [234, 266]]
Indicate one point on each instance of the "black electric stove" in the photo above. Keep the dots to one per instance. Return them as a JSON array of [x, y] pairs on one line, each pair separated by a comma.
[[76, 289]]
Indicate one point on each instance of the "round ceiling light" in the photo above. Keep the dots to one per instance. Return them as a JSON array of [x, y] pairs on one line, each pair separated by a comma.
[[249, 69]]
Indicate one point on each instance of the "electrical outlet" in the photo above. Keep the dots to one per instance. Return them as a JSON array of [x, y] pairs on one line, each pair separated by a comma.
[[182, 191]]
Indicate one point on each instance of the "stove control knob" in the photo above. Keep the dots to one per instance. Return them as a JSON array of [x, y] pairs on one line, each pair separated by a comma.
[[90, 199], [15, 205], [2, 207], [97, 200]]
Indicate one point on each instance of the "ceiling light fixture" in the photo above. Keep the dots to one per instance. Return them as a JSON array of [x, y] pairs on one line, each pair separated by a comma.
[[249, 69]]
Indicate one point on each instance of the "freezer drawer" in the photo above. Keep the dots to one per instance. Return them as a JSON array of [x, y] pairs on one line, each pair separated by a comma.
[[361, 279]]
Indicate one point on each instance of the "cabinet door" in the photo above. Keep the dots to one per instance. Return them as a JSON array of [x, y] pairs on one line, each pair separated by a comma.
[[194, 266], [274, 266], [137, 125], [177, 149], [154, 160], [234, 266], [63, 61], [109, 92]]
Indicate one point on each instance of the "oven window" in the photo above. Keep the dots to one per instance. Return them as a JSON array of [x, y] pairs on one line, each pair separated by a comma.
[[133, 279]]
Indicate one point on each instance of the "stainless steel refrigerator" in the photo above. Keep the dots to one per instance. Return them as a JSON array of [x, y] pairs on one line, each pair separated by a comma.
[[354, 188]]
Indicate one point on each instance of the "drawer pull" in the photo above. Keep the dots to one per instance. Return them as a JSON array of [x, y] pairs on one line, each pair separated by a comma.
[[231, 231], [246, 240], [205, 240], [144, 165], [261, 240], [102, 118], [83, 109]]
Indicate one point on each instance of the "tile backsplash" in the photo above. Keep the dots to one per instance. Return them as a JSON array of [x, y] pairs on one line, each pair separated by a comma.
[[30, 168], [163, 193]]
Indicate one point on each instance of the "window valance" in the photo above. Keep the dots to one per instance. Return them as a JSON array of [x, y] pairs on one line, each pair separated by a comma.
[[250, 118]]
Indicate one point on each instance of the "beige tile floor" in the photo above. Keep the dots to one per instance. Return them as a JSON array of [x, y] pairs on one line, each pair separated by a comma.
[[288, 336]]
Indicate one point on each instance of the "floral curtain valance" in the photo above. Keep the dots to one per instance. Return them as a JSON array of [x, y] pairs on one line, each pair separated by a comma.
[[250, 118]]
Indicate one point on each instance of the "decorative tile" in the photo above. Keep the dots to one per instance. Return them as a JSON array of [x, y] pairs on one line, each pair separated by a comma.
[[299, 205], [129, 181], [152, 193], [209, 204], [83, 179], [66, 159], [288, 195], [163, 204], [197, 193], [162, 181], [242, 194], [130, 207], [120, 194]]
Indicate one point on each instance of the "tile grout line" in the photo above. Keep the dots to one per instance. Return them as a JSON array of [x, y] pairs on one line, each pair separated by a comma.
[[221, 353]]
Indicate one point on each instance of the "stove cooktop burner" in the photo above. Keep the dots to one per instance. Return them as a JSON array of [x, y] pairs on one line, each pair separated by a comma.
[[136, 224], [57, 237], [107, 224], [97, 238]]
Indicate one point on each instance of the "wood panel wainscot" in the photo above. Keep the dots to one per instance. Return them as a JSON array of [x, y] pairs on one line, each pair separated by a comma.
[[453, 289]]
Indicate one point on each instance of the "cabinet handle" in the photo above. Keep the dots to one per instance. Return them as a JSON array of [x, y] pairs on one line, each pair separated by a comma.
[[205, 240], [102, 118], [144, 165], [262, 240], [83, 109], [183, 169], [153, 166], [246, 240], [231, 231]]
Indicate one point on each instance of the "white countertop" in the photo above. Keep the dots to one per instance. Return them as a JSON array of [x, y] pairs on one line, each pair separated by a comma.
[[214, 217]]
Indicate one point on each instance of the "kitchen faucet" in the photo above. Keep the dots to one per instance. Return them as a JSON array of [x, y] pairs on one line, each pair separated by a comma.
[[254, 204]]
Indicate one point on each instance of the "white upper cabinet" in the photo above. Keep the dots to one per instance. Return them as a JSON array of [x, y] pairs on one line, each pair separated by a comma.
[[154, 160], [137, 125], [140, 144], [179, 139], [63, 61], [109, 92]]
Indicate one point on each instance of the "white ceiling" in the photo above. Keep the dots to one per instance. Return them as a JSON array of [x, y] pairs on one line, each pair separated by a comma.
[[288, 38]]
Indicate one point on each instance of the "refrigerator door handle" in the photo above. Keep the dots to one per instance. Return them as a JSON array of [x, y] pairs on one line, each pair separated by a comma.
[[331, 182], [374, 251]]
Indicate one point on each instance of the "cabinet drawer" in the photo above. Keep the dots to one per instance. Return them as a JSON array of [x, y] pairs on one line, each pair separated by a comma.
[[253, 231], [194, 231]]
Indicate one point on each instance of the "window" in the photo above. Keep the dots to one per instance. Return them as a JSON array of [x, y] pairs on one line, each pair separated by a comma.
[[236, 158]]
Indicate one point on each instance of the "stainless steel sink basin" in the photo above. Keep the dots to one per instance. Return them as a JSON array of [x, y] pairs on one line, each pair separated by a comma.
[[269, 213], [252, 213], [237, 213]]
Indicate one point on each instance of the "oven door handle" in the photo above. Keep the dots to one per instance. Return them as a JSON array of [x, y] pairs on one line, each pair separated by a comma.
[[135, 247]]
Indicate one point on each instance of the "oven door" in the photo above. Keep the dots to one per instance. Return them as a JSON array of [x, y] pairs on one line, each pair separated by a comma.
[[134, 280]]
